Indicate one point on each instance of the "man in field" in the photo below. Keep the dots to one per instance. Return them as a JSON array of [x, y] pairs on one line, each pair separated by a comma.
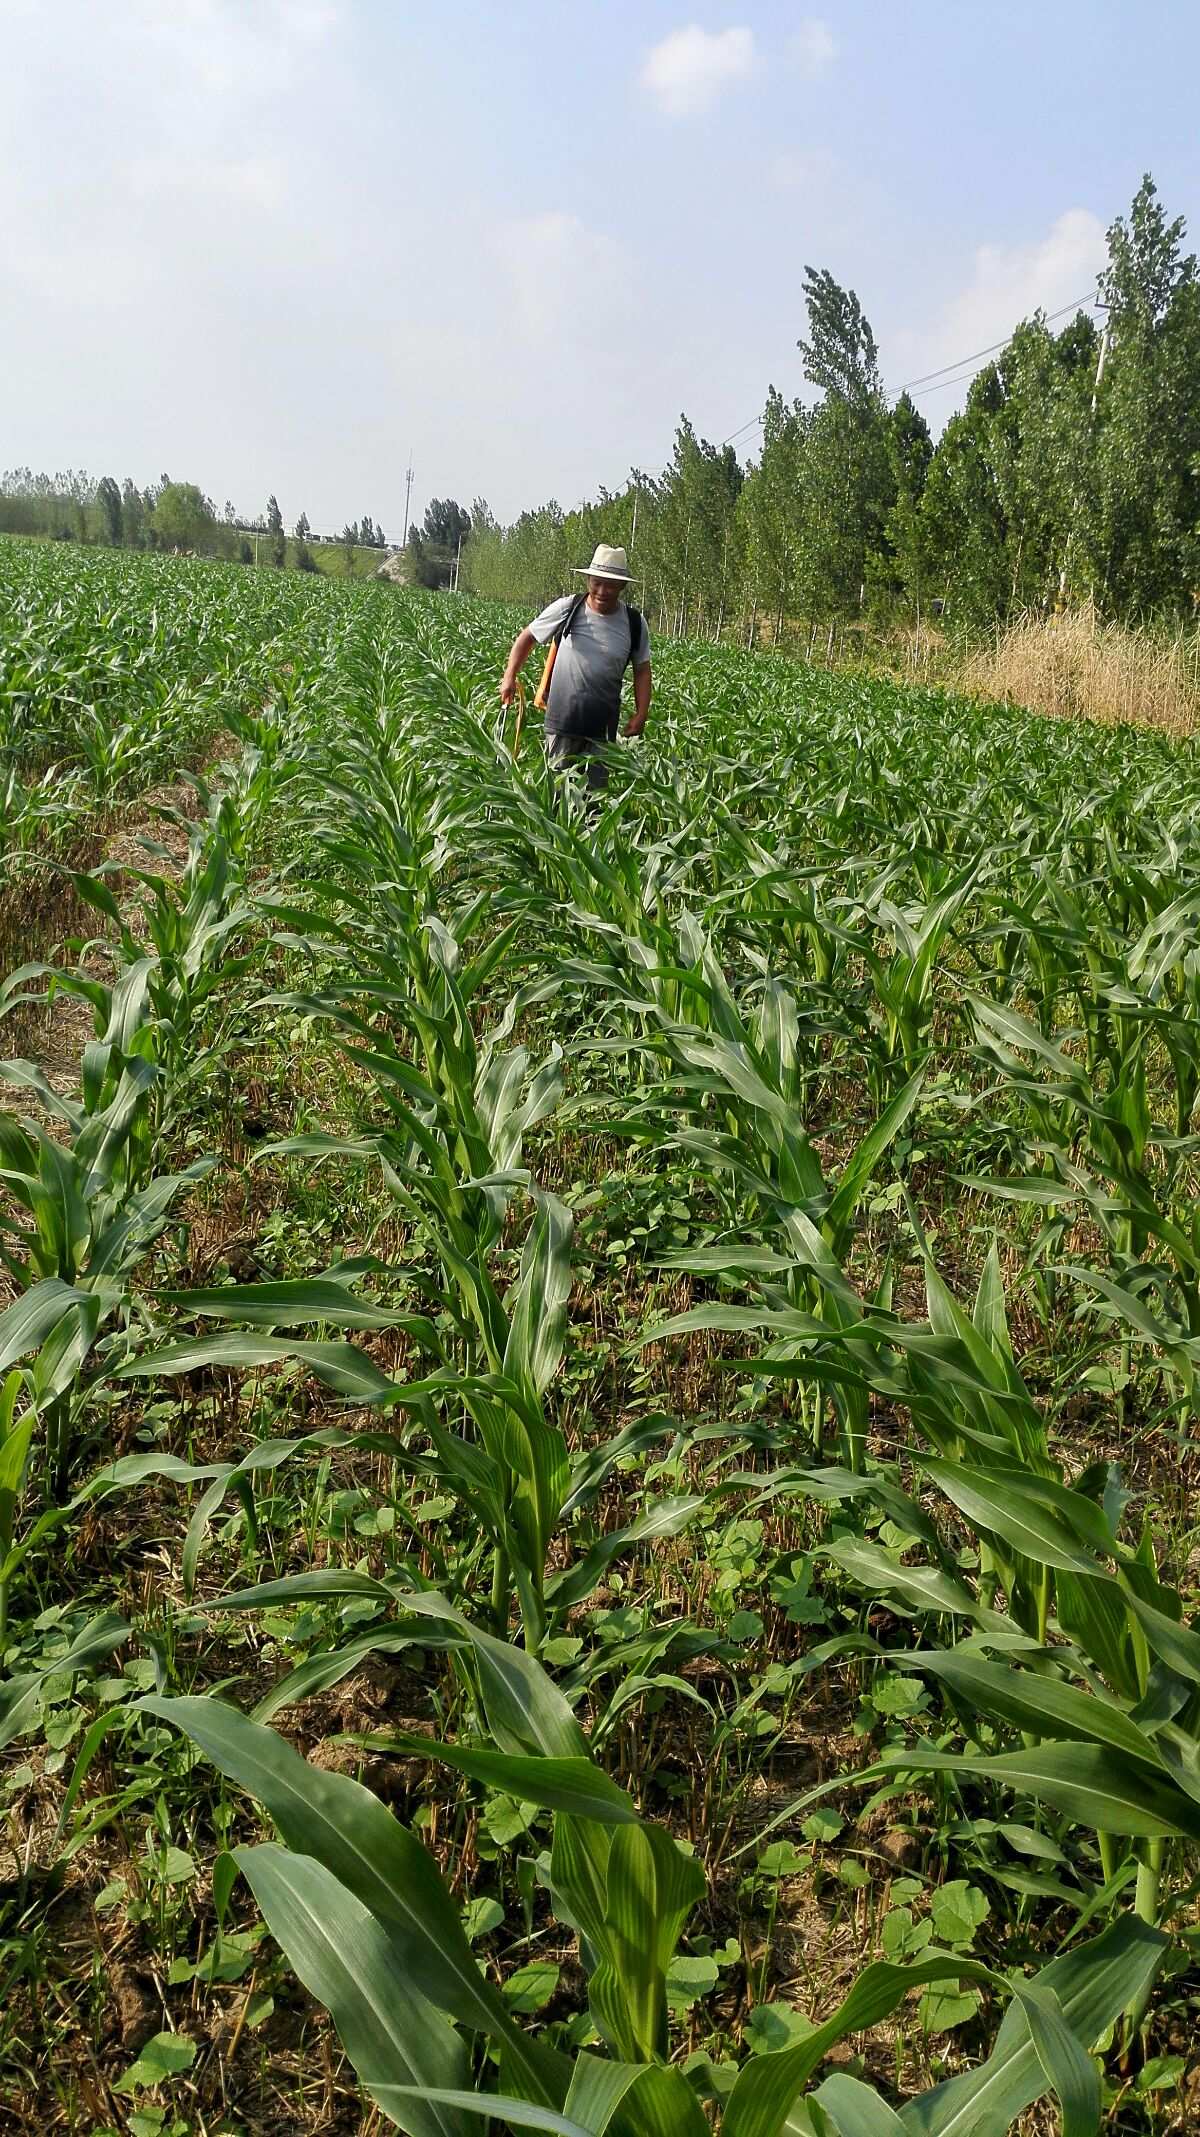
[[596, 636]]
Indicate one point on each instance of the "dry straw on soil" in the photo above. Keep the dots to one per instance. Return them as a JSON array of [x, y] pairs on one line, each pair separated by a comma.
[[1075, 666]]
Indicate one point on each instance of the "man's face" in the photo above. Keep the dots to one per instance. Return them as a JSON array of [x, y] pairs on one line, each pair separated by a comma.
[[604, 594]]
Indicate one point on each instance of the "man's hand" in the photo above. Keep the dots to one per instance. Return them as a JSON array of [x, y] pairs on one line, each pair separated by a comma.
[[642, 686], [522, 646]]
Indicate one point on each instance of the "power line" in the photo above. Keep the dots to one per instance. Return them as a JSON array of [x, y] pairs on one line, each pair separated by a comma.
[[754, 421], [1089, 299], [651, 474], [963, 379]]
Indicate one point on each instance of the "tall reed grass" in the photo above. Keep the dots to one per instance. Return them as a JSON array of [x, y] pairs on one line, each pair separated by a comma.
[[1076, 666]]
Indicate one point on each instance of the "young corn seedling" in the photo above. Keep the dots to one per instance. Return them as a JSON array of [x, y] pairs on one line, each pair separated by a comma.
[[169, 1002], [82, 1228]]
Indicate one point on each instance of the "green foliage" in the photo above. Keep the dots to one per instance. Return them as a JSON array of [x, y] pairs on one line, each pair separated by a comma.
[[182, 517], [841, 355], [358, 1906], [1070, 475], [1142, 538], [108, 500], [706, 1256]]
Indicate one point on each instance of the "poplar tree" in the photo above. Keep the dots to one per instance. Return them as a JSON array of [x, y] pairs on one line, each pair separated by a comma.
[[1144, 540]]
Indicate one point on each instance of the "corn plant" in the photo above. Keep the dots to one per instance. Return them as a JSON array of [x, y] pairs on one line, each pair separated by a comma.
[[1079, 1602], [82, 1228], [172, 974], [359, 1907]]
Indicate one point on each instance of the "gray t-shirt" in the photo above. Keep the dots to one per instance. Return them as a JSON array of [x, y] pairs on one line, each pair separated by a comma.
[[585, 688]]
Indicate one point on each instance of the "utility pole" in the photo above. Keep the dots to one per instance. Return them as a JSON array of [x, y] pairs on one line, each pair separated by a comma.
[[1100, 369], [457, 566], [408, 483]]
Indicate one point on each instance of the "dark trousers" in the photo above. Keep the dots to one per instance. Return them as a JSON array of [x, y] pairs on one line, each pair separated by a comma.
[[585, 751]]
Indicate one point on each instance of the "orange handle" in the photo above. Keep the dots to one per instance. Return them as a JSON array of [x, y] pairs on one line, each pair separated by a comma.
[[543, 688]]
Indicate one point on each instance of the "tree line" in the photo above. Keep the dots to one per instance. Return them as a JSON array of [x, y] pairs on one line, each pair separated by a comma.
[[1072, 474], [76, 507]]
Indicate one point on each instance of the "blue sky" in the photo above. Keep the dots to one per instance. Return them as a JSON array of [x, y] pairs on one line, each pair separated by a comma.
[[272, 244]]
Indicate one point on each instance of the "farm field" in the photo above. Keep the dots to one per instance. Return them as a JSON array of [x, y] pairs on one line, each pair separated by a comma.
[[598, 1432]]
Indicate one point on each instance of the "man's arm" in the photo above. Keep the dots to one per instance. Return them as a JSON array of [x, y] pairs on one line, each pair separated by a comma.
[[642, 686], [522, 647]]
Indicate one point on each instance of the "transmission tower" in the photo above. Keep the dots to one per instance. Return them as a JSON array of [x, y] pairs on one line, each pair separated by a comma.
[[408, 483]]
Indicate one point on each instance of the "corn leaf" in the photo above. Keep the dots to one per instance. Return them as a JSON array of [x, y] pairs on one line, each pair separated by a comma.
[[767, 2086], [1092, 1985], [398, 2042], [1091, 1783], [337, 1365], [576, 1786], [356, 1839]]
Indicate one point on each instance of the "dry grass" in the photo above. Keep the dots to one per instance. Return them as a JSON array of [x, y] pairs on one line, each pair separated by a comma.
[[1075, 666]]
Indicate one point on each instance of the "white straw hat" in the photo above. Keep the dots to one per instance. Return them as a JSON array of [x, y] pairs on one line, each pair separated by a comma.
[[606, 564]]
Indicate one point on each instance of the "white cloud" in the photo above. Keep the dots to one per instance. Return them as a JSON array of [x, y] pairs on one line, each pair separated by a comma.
[[688, 70], [1008, 283], [812, 47], [563, 278], [230, 47]]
